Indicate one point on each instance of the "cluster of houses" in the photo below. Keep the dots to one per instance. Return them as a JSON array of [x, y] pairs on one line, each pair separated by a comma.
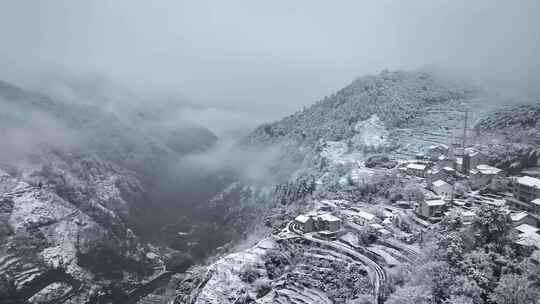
[[326, 224], [444, 163], [439, 169], [441, 166]]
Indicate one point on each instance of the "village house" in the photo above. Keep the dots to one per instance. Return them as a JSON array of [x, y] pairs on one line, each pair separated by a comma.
[[443, 189], [437, 150], [467, 216], [449, 171], [358, 216], [328, 222], [526, 188], [535, 206], [528, 236], [431, 208], [305, 222], [381, 231], [476, 158], [418, 170], [318, 222], [520, 218], [471, 159], [365, 218], [459, 164], [446, 161], [433, 175], [482, 175]]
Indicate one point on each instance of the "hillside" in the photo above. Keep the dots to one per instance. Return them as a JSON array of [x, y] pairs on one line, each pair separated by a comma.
[[516, 123], [399, 99], [79, 200], [409, 109], [512, 134], [345, 159]]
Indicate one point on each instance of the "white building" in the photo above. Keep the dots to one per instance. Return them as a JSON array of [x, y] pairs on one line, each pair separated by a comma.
[[482, 175], [431, 208], [437, 150], [535, 206], [520, 218], [528, 236], [358, 216], [443, 189], [305, 222], [328, 222], [366, 217], [418, 170], [526, 188]]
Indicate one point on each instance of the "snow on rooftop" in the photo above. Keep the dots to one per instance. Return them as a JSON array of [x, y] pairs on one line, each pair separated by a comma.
[[536, 201], [329, 217], [489, 170], [416, 166], [529, 235], [302, 218], [435, 203], [439, 146], [529, 181], [366, 215], [377, 226], [518, 216], [527, 229], [459, 160], [334, 202], [448, 169], [468, 213], [384, 231], [439, 183]]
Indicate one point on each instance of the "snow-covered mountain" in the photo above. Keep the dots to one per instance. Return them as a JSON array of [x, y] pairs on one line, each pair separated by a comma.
[[391, 118]]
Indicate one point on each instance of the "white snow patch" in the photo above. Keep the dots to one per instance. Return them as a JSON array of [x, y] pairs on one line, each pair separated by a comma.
[[371, 133], [225, 282]]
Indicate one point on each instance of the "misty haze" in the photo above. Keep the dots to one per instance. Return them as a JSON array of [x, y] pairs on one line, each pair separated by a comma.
[[289, 152]]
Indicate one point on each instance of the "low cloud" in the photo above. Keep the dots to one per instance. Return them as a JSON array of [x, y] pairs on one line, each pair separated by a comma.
[[25, 132]]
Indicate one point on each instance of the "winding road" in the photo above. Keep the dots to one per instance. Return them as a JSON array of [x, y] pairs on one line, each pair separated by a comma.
[[376, 272]]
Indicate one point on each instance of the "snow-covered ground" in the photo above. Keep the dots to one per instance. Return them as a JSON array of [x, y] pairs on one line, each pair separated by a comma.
[[224, 283], [371, 133]]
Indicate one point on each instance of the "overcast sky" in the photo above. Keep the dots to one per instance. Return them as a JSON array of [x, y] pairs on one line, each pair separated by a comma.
[[271, 57]]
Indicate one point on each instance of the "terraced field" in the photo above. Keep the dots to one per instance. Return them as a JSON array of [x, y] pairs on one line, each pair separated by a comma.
[[441, 125]]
